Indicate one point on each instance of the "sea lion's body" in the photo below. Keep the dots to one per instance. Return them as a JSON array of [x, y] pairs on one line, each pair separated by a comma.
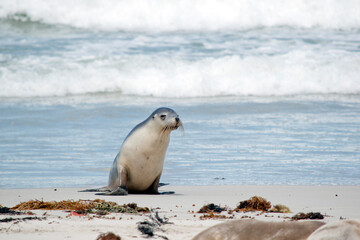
[[344, 230], [138, 166], [259, 230], [142, 155]]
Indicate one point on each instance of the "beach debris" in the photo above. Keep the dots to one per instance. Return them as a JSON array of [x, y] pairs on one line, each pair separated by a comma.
[[310, 215], [255, 203], [22, 219], [279, 208], [108, 236], [6, 210], [126, 208], [81, 206], [212, 215], [211, 208], [76, 213], [101, 212], [211, 211], [148, 227]]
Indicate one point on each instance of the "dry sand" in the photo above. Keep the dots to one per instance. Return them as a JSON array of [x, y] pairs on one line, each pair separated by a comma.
[[336, 202]]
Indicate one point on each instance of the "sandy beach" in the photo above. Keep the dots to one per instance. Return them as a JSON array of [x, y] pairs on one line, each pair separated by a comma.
[[335, 202]]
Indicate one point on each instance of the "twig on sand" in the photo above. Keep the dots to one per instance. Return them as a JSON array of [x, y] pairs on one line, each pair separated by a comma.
[[148, 227]]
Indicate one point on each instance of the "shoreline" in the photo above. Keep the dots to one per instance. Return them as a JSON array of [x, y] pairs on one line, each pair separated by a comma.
[[335, 202]]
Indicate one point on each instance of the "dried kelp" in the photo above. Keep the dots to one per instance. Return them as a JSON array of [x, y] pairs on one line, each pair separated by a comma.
[[126, 208], [210, 208], [80, 206], [212, 215], [211, 211], [279, 208], [310, 215], [108, 236], [255, 203]]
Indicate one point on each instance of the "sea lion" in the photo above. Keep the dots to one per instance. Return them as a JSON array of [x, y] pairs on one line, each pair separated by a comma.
[[344, 230], [259, 230], [138, 166]]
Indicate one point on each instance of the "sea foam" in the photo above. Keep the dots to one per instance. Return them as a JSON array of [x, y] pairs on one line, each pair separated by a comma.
[[186, 15], [297, 72]]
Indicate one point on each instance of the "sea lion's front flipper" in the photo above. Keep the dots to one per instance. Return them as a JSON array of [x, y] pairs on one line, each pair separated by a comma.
[[102, 189], [118, 191], [153, 189]]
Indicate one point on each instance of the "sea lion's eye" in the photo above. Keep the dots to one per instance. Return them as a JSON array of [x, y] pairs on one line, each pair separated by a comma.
[[163, 116]]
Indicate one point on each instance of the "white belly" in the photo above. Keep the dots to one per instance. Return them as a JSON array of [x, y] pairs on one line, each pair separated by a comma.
[[143, 154]]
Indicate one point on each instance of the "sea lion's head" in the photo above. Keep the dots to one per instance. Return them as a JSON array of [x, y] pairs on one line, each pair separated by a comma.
[[167, 118]]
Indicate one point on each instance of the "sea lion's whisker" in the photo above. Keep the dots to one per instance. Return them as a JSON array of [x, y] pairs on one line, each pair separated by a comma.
[[182, 130]]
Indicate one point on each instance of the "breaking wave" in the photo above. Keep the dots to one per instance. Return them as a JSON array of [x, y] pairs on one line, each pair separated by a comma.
[[186, 15], [298, 72]]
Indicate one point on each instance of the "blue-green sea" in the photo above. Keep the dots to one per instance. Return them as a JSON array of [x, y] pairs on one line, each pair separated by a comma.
[[268, 91]]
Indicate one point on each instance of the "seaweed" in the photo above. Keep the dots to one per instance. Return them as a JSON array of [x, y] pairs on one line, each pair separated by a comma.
[[81, 206], [108, 236], [6, 210], [114, 207], [279, 208], [255, 203], [21, 219], [310, 215], [212, 215], [211, 211], [210, 208]]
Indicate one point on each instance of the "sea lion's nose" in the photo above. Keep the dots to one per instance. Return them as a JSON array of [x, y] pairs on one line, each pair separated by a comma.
[[177, 119]]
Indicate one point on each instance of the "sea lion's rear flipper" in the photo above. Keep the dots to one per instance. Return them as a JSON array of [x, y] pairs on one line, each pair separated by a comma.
[[118, 191], [102, 189], [121, 179]]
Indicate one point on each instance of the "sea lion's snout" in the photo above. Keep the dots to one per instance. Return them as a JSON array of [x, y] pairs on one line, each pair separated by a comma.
[[179, 125], [169, 119], [176, 123]]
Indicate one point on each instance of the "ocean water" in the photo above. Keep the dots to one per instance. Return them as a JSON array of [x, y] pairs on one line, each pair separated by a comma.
[[268, 91]]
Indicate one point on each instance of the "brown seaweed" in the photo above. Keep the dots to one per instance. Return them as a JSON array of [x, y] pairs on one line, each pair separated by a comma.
[[255, 203], [210, 208], [80, 206], [108, 236], [212, 215], [310, 215], [279, 208]]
